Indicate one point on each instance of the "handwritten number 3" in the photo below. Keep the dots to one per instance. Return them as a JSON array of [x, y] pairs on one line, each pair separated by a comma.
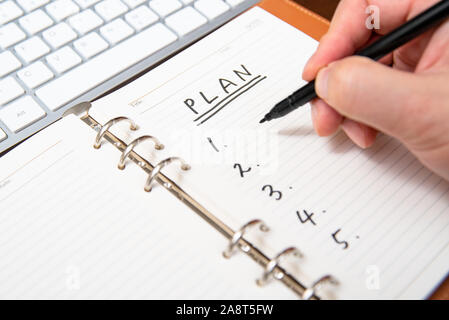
[[272, 192]]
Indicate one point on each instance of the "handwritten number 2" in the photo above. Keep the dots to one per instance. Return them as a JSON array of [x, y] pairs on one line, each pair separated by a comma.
[[273, 193], [241, 171]]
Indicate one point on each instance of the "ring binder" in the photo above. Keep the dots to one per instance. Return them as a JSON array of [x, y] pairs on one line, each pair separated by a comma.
[[236, 238], [271, 266], [108, 125], [239, 235], [310, 292], [135, 142], [158, 168]]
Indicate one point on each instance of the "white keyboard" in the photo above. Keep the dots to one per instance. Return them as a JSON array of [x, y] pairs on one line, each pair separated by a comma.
[[57, 53]]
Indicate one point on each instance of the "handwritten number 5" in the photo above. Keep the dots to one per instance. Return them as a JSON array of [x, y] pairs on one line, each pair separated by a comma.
[[343, 243]]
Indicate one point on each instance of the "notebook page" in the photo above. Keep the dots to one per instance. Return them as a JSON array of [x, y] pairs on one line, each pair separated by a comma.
[[376, 219], [74, 226]]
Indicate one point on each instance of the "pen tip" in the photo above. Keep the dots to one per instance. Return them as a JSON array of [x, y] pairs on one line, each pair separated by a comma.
[[263, 120]]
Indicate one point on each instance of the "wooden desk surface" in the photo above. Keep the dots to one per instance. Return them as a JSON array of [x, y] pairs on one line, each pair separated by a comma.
[[326, 8]]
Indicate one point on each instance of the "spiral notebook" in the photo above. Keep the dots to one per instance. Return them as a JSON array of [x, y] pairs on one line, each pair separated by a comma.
[[299, 216]]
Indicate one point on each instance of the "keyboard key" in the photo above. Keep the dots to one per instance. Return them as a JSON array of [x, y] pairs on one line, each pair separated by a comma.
[[234, 3], [59, 35], [116, 31], [8, 63], [211, 8], [110, 9], [10, 34], [63, 59], [185, 20], [105, 65], [85, 21], [165, 7], [36, 21], [9, 11], [141, 17], [133, 3], [62, 9], [21, 113], [3, 135], [187, 1], [30, 5], [86, 3], [31, 49], [35, 74], [9, 90], [90, 45]]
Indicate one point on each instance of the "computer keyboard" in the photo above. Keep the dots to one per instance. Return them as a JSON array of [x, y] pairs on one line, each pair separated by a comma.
[[55, 54]]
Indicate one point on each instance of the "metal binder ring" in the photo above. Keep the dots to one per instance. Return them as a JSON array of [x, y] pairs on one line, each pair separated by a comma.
[[310, 292], [158, 168], [239, 235], [130, 147], [271, 266], [108, 125]]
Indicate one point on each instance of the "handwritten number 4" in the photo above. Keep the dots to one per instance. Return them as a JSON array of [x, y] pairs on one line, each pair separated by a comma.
[[308, 217]]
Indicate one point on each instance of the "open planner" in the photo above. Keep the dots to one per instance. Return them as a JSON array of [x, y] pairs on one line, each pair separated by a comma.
[[185, 195]]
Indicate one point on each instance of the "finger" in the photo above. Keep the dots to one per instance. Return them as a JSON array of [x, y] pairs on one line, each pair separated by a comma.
[[362, 135], [408, 56], [436, 54], [373, 94], [326, 120], [348, 31], [387, 60]]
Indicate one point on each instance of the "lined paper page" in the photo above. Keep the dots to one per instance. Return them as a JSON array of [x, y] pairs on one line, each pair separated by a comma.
[[376, 219], [74, 226]]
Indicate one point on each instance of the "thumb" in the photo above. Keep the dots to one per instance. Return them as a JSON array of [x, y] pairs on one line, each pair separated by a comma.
[[370, 93]]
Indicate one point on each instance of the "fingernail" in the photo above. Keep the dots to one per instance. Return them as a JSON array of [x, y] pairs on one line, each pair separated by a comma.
[[321, 84], [306, 67], [310, 59], [355, 132], [314, 110]]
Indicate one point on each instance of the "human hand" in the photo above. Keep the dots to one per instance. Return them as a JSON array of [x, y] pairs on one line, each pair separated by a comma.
[[409, 101]]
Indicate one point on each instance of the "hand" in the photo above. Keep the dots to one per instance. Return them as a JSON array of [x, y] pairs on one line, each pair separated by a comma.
[[409, 101]]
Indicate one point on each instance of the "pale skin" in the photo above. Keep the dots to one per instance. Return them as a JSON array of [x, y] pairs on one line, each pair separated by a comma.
[[409, 101]]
